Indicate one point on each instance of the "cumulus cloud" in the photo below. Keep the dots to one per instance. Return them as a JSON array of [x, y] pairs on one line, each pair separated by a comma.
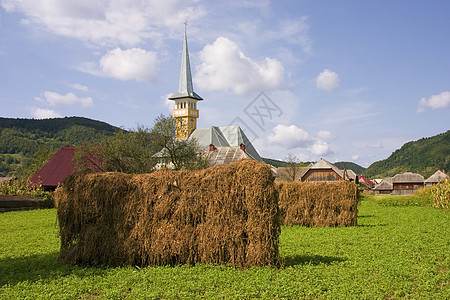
[[43, 113], [224, 66], [129, 64], [55, 99], [105, 22], [327, 80], [79, 87], [435, 102], [291, 136]]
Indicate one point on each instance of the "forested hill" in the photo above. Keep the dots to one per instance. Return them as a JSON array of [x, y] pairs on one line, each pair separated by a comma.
[[346, 165], [53, 126], [26, 136], [22, 139], [424, 156]]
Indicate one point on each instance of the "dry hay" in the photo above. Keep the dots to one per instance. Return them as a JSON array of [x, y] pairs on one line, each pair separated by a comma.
[[318, 204], [222, 215]]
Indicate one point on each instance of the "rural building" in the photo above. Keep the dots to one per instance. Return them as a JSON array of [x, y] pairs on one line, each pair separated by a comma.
[[366, 182], [223, 144], [406, 183], [323, 171], [437, 178], [384, 187], [60, 165], [291, 173]]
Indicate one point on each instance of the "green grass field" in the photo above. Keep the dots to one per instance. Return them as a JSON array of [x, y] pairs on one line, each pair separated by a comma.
[[396, 251]]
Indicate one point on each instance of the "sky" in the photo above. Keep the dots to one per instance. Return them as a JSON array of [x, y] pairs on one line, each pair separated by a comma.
[[341, 80]]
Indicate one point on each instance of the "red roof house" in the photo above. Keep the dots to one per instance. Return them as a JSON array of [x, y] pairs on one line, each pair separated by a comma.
[[53, 173]]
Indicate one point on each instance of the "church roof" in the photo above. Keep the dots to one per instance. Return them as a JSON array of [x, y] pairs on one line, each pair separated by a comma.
[[225, 136], [185, 86], [225, 155]]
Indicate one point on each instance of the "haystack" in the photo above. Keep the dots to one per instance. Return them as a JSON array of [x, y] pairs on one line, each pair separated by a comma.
[[318, 204], [222, 215]]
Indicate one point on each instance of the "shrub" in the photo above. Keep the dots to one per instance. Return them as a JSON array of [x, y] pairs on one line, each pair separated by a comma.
[[22, 188]]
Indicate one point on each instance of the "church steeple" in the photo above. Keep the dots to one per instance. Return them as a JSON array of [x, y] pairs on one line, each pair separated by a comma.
[[185, 98]]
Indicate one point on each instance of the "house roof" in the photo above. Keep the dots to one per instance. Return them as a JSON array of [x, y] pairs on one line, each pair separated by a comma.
[[323, 164], [384, 186], [407, 177], [284, 173], [185, 86], [439, 176], [224, 136], [56, 169]]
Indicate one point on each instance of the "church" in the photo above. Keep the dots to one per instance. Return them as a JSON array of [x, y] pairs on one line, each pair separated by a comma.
[[222, 144]]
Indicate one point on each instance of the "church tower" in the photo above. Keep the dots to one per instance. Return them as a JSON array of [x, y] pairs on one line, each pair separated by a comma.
[[185, 112]]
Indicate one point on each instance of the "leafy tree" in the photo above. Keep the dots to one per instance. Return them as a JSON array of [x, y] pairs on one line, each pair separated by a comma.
[[183, 154], [140, 151]]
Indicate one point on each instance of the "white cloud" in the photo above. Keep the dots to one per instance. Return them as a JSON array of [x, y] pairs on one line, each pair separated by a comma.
[[169, 104], [225, 67], [43, 113], [435, 102], [320, 147], [105, 22], [327, 80], [130, 64], [55, 99], [355, 157], [290, 136], [324, 135], [79, 87]]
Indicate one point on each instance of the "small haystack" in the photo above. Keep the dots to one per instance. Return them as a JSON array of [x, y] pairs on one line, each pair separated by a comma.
[[318, 204], [222, 215]]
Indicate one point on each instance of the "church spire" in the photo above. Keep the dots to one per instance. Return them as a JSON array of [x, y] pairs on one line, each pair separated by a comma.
[[185, 111], [185, 87]]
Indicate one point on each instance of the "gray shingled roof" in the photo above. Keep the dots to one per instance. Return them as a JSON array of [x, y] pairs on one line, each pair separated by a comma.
[[407, 177], [323, 164], [224, 136], [225, 155], [384, 186], [284, 173], [437, 177]]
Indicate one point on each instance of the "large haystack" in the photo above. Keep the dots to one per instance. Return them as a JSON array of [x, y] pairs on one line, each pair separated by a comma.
[[317, 204], [223, 215]]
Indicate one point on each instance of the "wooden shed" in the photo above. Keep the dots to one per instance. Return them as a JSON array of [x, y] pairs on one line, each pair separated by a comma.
[[406, 183], [323, 171], [436, 178]]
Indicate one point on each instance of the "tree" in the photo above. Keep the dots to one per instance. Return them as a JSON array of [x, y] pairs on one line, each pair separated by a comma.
[[292, 165], [140, 151], [183, 154]]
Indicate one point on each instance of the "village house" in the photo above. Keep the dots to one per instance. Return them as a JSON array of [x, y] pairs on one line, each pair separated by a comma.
[[406, 183], [384, 187], [436, 178]]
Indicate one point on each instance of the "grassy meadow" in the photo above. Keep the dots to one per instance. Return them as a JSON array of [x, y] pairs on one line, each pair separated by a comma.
[[400, 249]]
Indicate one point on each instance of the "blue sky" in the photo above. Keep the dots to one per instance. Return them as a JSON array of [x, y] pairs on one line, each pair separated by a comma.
[[342, 80]]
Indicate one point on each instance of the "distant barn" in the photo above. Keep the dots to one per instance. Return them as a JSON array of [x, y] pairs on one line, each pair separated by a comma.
[[406, 183]]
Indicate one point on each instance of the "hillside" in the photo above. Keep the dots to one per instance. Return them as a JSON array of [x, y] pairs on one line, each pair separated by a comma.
[[350, 166], [21, 139], [424, 156]]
